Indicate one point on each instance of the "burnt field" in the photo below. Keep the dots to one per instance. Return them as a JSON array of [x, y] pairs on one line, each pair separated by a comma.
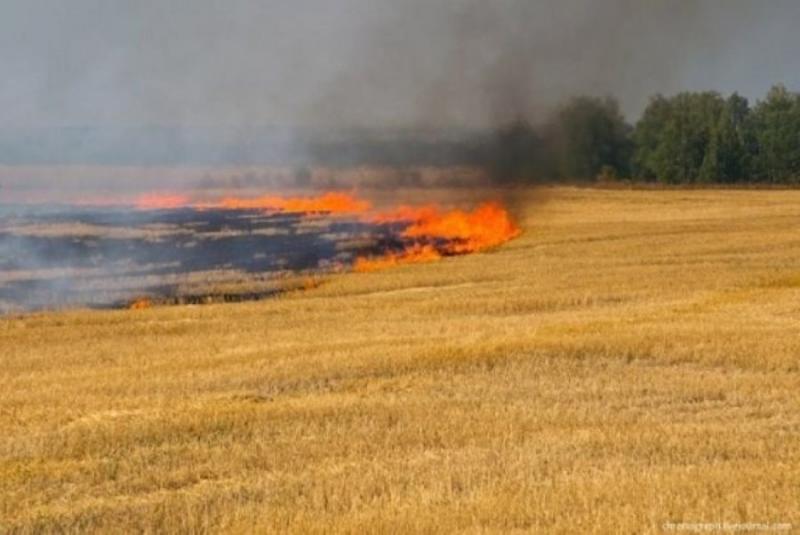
[[65, 256], [171, 249]]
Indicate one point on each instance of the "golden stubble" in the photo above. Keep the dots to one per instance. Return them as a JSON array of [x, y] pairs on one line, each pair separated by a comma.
[[630, 360]]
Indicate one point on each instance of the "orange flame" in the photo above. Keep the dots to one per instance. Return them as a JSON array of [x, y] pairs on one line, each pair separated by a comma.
[[486, 226], [429, 234], [460, 232], [414, 254], [331, 202], [406, 213]]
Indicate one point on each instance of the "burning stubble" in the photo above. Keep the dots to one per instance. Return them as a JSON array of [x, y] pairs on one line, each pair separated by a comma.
[[169, 248], [433, 233]]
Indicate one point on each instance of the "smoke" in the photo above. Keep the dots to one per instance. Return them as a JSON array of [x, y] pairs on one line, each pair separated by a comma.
[[109, 97], [292, 83], [375, 63]]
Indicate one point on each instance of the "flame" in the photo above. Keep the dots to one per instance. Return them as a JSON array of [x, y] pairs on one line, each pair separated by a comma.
[[431, 232], [413, 254], [331, 202], [406, 213], [434, 234], [428, 232], [487, 226]]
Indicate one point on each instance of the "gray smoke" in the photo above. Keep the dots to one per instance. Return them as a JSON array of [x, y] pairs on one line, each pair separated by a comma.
[[100, 97], [376, 63]]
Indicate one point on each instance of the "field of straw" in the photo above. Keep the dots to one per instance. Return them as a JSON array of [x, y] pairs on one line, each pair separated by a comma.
[[630, 363]]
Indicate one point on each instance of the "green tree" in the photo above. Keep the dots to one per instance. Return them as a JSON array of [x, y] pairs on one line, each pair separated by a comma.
[[727, 156], [776, 127], [646, 161], [737, 139], [710, 168], [673, 136]]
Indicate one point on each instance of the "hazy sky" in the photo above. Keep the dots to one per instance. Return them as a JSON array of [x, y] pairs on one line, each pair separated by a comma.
[[374, 62]]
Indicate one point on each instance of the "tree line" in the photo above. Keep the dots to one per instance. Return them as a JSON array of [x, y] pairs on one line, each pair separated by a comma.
[[691, 137]]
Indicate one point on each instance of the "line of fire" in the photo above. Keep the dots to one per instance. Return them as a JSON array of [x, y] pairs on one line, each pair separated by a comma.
[[166, 248]]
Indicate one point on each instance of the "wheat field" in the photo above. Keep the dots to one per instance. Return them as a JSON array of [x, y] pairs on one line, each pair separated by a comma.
[[631, 362]]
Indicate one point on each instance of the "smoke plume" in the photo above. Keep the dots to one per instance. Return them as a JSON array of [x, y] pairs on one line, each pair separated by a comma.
[[371, 63]]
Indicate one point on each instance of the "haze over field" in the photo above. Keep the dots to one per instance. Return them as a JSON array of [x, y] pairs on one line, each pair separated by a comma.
[[213, 72], [373, 63]]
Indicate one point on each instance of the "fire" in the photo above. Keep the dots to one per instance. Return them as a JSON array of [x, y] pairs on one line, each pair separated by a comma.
[[427, 232], [332, 203], [434, 234], [406, 213], [487, 226], [413, 254], [430, 232]]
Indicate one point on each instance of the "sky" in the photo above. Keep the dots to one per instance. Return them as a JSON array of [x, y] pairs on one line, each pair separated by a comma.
[[375, 63]]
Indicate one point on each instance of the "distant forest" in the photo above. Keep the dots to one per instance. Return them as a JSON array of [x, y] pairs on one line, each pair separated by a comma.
[[688, 138]]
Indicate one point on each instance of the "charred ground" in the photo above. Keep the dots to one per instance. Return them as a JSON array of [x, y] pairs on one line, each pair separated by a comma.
[[169, 249], [72, 256]]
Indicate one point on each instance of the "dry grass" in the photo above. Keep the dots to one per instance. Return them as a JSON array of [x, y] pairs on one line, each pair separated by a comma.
[[632, 359]]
